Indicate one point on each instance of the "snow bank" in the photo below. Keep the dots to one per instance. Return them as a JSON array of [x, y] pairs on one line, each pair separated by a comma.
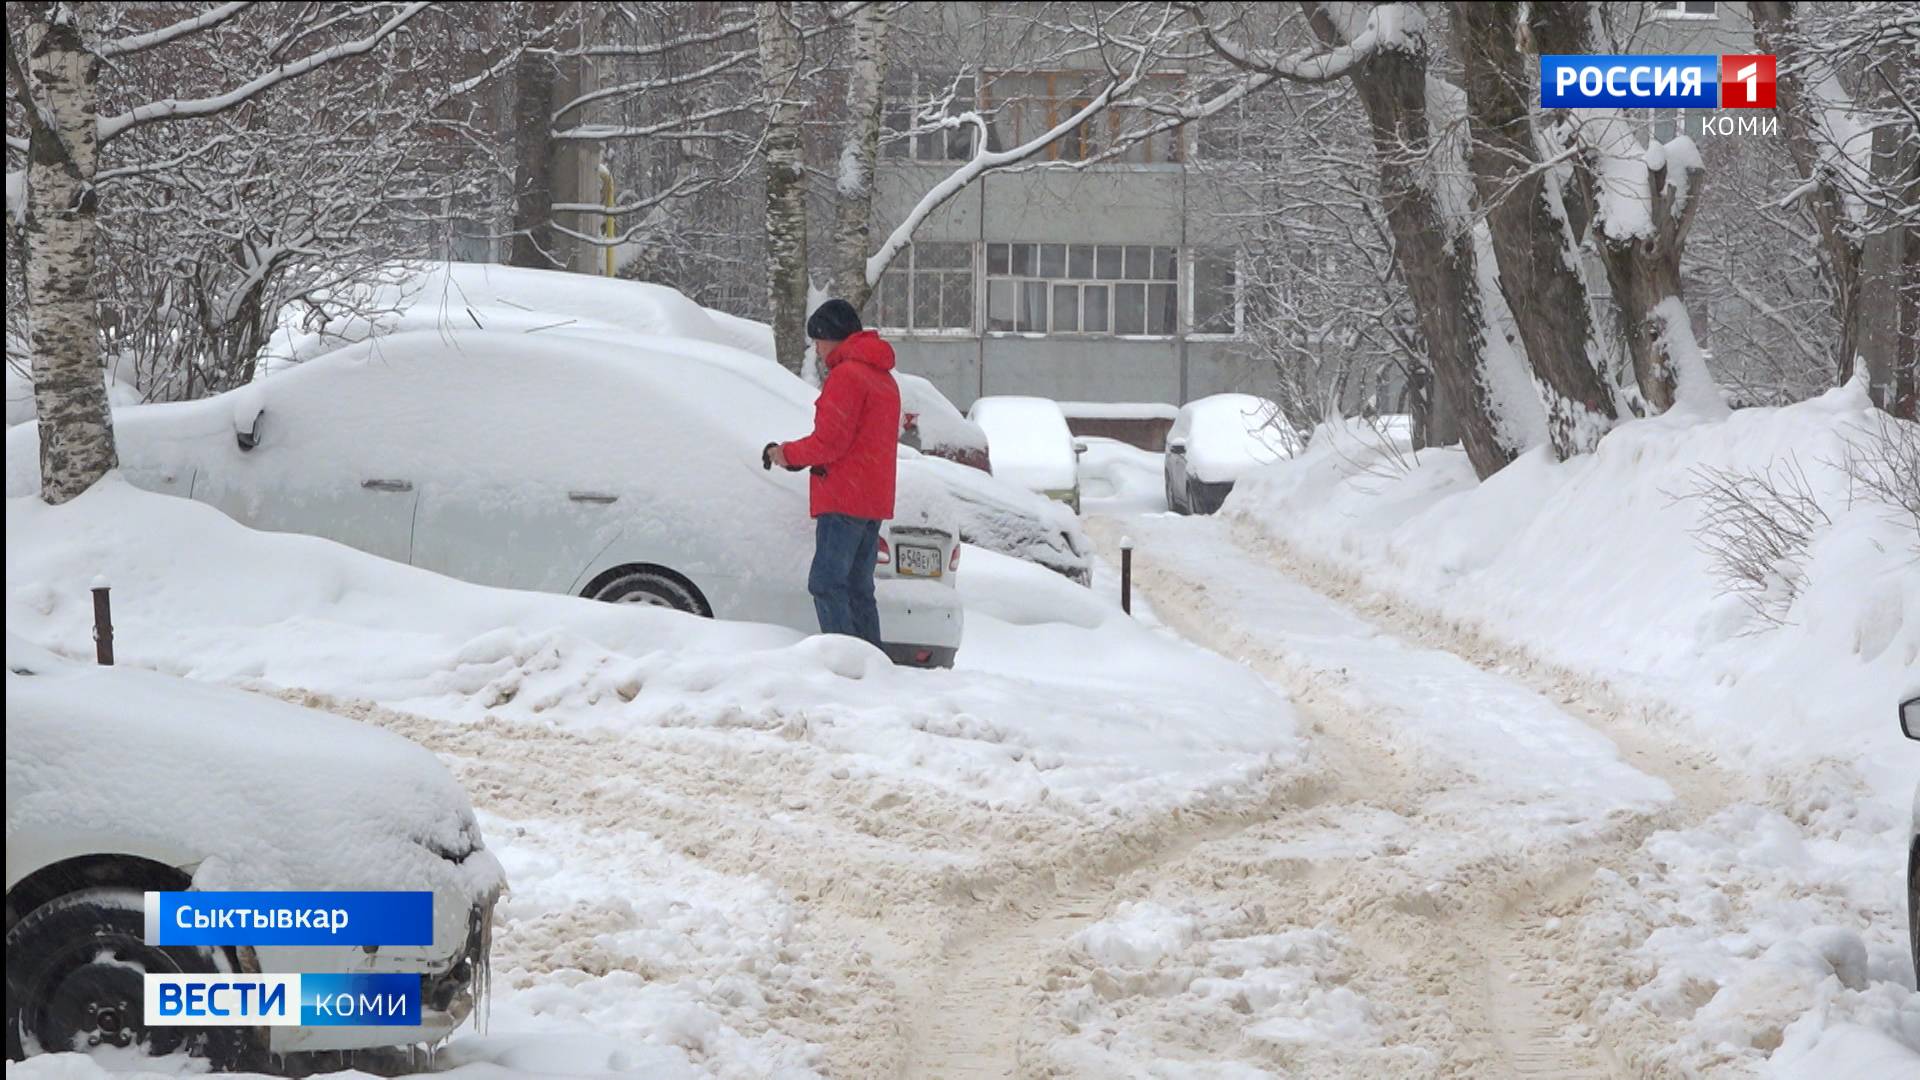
[[1027, 441], [1119, 478], [199, 595], [1772, 930]]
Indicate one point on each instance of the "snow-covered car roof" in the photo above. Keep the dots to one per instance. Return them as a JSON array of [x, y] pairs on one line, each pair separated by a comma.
[[1229, 434], [451, 296], [1027, 441], [940, 422], [259, 793]]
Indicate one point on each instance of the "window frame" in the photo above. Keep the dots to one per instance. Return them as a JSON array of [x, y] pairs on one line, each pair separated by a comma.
[[907, 265], [1192, 256], [1678, 12], [1169, 258]]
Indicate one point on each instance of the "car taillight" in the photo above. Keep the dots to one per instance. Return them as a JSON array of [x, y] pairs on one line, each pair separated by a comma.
[[884, 557], [953, 563]]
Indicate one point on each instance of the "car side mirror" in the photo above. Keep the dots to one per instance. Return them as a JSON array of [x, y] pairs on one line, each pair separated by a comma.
[[246, 433], [1079, 447], [1176, 445], [1910, 717]]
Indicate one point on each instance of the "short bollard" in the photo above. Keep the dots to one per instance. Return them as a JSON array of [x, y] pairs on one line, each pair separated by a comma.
[[1126, 574], [102, 623]]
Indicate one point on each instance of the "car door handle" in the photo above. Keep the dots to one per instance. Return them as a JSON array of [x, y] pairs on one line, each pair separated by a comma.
[[387, 485], [597, 497]]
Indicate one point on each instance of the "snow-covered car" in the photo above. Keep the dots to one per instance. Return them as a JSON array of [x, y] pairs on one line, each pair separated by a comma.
[[1910, 724], [121, 782], [588, 462], [932, 425], [1215, 441], [1029, 444], [998, 516]]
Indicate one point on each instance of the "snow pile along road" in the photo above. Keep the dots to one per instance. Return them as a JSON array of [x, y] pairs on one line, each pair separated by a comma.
[[1770, 929]]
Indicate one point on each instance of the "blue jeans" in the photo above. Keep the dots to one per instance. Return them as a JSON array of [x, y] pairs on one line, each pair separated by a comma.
[[841, 581]]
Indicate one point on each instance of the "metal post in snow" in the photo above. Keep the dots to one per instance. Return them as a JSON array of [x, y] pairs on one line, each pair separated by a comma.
[[102, 622], [1126, 574]]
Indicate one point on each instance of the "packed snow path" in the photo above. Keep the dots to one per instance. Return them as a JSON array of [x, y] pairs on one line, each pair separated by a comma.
[[1462, 809]]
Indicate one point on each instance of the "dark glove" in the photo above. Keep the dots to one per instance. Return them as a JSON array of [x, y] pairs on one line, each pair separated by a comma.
[[766, 456]]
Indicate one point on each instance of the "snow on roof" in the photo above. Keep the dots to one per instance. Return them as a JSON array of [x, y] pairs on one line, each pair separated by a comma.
[[940, 423], [457, 296], [1119, 410], [1027, 441]]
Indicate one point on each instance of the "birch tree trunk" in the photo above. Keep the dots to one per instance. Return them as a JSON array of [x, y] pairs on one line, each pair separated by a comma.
[[1540, 265], [534, 243], [786, 182], [76, 426], [858, 158]]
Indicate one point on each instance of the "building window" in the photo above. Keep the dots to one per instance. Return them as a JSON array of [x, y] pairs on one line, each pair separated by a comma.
[[1685, 9], [1023, 106], [928, 289], [1102, 289], [1216, 294], [914, 100]]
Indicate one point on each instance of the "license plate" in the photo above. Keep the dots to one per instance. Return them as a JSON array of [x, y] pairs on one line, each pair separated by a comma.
[[912, 560]]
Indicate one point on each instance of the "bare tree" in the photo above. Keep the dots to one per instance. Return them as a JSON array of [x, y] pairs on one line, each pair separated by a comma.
[[860, 153], [58, 85]]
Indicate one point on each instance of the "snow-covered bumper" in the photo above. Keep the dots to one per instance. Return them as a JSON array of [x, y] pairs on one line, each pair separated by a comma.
[[452, 974], [920, 621]]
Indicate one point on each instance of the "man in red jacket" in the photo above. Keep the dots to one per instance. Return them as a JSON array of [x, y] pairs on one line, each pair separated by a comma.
[[852, 454]]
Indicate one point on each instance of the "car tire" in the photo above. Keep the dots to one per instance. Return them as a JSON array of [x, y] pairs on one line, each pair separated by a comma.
[[653, 587], [74, 967]]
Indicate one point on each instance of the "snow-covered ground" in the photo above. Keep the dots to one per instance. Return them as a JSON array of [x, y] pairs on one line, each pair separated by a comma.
[[728, 844], [1759, 924]]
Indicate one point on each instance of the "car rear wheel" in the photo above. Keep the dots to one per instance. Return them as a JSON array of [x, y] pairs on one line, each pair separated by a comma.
[[653, 587], [75, 968]]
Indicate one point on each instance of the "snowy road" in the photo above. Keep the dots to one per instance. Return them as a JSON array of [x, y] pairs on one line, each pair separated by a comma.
[[1397, 906]]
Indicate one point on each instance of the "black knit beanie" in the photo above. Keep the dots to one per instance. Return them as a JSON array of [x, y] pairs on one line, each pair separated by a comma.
[[835, 320]]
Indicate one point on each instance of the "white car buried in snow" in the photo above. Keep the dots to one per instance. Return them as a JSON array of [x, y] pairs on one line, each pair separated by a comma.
[[589, 462], [121, 782], [1029, 445], [1216, 440]]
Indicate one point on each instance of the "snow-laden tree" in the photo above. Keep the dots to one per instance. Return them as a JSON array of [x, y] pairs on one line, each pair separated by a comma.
[[75, 119], [1848, 94], [1443, 254]]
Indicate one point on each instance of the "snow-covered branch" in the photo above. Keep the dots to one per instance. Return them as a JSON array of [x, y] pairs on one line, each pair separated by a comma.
[[179, 109], [141, 42]]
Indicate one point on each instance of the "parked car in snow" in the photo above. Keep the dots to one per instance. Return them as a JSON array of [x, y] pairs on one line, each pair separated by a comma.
[[121, 782], [933, 425], [1910, 723], [1000, 517], [1216, 440], [1029, 444], [590, 462]]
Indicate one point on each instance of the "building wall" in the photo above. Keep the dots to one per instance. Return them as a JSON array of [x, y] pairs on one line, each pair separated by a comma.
[[1151, 205]]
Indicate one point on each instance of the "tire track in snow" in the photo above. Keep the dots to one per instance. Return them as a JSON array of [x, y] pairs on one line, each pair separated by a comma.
[[1517, 1005]]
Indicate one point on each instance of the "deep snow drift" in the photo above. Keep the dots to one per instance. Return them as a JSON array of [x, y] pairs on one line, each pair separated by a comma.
[[1771, 932]]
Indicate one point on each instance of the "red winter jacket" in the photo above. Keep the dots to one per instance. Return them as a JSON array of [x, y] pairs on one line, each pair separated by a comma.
[[856, 431]]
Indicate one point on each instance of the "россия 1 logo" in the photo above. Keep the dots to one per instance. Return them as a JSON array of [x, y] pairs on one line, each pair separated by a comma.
[[1701, 81]]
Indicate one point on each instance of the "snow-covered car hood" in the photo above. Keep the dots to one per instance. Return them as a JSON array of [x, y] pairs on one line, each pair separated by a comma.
[[1000, 516], [247, 791]]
